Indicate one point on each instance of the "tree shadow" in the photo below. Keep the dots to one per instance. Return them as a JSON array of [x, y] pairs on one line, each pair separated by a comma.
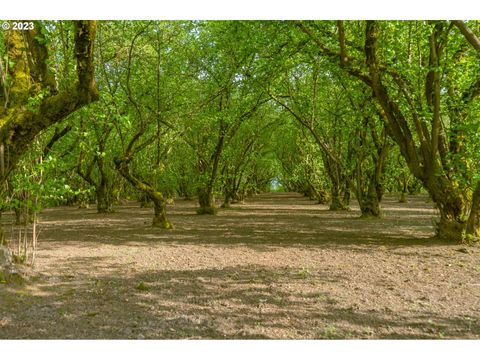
[[247, 225], [236, 302]]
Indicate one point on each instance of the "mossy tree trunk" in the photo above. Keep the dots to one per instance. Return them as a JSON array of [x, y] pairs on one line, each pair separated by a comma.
[[104, 188], [316, 192], [228, 191], [403, 185], [473, 221], [159, 202], [323, 196], [208, 170], [335, 174], [228, 187], [370, 205], [104, 204], [336, 202], [370, 168], [206, 201], [346, 196], [20, 119], [227, 202]]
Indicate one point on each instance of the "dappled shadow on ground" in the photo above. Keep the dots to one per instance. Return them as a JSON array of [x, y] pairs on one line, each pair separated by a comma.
[[294, 220], [278, 266], [234, 302]]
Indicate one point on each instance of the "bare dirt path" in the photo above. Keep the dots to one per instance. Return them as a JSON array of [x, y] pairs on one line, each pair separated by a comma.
[[279, 266]]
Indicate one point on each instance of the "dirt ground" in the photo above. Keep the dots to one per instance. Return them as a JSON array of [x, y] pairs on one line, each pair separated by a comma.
[[278, 266]]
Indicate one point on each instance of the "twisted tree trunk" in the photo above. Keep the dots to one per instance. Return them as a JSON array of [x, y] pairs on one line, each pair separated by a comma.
[[159, 202]]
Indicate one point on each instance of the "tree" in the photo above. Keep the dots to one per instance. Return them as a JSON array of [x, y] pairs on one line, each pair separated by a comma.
[[416, 73], [145, 111], [316, 100], [31, 99], [224, 61]]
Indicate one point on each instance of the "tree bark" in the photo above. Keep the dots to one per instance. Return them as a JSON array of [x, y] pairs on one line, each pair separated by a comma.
[[209, 170], [103, 199], [473, 221], [19, 122], [103, 192], [336, 202], [206, 201], [333, 173], [370, 203], [159, 202]]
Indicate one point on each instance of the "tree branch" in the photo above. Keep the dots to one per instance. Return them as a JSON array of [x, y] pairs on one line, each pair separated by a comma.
[[468, 34], [345, 63], [21, 123], [56, 136]]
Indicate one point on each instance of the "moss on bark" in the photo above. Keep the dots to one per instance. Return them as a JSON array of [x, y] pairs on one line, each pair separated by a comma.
[[206, 202], [159, 201], [23, 121]]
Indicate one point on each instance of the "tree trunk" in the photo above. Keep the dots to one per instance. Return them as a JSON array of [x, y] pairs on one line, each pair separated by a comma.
[[2, 236], [160, 216], [449, 228], [374, 196], [322, 196], [206, 201], [452, 205], [346, 196], [336, 202], [473, 222], [334, 173], [18, 216], [403, 184], [103, 200], [370, 204], [227, 201], [227, 204], [229, 190]]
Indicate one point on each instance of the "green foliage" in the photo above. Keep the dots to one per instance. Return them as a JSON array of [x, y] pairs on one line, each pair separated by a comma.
[[35, 101], [234, 108]]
